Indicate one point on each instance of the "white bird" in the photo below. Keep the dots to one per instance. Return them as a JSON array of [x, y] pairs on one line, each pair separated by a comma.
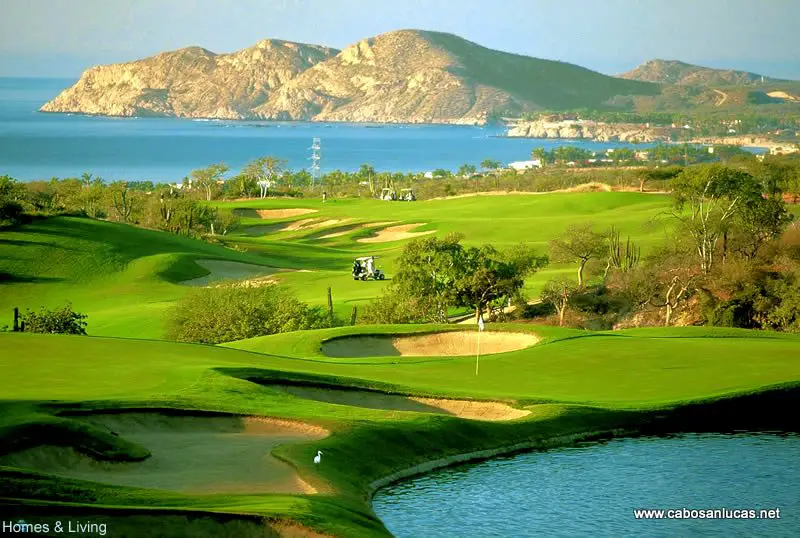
[[318, 457]]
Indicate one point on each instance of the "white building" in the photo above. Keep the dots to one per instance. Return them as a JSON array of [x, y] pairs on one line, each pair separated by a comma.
[[525, 165]]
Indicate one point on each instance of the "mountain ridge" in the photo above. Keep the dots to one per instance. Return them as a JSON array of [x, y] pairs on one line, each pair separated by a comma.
[[414, 76], [675, 72]]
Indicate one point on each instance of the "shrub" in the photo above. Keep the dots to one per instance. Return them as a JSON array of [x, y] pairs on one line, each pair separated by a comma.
[[62, 320], [224, 314]]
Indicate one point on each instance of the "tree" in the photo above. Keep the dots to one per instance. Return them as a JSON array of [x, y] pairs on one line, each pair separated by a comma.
[[706, 199], [558, 293], [541, 155], [63, 320], [264, 172], [488, 275], [492, 167], [467, 170], [367, 173], [209, 178], [437, 274], [579, 243]]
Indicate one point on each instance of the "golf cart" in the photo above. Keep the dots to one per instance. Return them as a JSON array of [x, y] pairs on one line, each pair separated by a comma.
[[364, 268], [407, 195], [390, 195]]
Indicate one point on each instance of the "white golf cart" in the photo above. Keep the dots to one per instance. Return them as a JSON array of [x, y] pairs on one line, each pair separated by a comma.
[[364, 269]]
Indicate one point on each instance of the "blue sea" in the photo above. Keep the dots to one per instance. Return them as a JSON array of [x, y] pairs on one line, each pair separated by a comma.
[[36, 145]]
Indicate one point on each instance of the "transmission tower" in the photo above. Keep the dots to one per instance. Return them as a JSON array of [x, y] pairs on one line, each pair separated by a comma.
[[316, 155]]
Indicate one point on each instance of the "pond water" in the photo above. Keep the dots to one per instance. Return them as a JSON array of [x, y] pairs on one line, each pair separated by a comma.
[[594, 488]]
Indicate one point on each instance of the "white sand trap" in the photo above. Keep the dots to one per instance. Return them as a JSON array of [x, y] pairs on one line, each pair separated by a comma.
[[444, 344], [221, 270], [295, 226], [192, 454], [473, 410], [354, 228], [284, 213], [396, 233]]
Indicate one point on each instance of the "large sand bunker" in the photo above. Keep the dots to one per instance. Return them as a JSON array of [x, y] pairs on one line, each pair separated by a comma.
[[296, 226], [469, 409], [447, 344], [283, 213], [221, 270], [354, 228], [193, 454], [396, 233]]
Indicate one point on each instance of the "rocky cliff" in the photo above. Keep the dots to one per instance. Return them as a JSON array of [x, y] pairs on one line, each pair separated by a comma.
[[590, 130], [402, 76], [683, 74], [191, 82]]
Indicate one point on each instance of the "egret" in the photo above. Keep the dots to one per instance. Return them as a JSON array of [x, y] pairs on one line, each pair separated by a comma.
[[318, 457]]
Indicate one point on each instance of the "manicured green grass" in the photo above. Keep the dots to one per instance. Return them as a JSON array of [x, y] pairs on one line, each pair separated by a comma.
[[125, 278], [624, 373]]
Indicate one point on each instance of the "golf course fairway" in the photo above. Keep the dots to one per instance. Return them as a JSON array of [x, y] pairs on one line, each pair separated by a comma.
[[159, 438]]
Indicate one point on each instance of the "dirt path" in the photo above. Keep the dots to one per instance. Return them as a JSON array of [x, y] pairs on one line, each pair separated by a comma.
[[724, 97]]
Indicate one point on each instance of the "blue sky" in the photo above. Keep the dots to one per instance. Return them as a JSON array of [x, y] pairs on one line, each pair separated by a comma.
[[61, 38]]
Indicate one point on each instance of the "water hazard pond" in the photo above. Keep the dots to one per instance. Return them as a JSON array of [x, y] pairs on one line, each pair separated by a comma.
[[594, 488]]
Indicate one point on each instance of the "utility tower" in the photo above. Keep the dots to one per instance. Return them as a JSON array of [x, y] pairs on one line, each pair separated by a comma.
[[316, 155]]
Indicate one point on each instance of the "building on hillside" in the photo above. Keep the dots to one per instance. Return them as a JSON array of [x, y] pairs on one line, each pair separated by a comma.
[[521, 166], [642, 156]]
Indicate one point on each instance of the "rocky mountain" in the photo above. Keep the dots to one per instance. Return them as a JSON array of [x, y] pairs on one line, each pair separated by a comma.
[[680, 73], [191, 82], [402, 76]]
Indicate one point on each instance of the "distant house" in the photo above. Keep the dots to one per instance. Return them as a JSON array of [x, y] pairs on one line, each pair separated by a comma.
[[428, 175], [525, 165], [642, 155]]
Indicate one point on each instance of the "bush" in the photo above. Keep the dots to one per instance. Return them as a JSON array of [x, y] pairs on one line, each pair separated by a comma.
[[224, 314], [62, 320]]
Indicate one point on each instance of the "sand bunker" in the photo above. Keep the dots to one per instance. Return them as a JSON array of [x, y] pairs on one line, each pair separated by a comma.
[[220, 270], [296, 226], [396, 233], [444, 344], [283, 213], [473, 410], [354, 228], [193, 454]]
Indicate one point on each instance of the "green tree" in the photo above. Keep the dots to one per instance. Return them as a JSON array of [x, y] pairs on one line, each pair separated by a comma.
[[578, 244], [265, 172], [706, 199], [209, 178], [467, 170]]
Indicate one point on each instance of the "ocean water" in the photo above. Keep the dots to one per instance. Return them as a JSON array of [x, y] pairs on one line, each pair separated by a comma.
[[593, 490], [35, 145]]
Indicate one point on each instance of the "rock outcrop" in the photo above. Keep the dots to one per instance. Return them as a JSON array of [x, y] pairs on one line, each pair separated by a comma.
[[590, 130], [191, 82], [403, 76]]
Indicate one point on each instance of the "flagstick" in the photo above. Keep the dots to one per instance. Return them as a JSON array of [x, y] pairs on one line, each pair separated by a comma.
[[478, 356]]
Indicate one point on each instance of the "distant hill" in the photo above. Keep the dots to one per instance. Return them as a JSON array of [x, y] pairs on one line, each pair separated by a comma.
[[402, 76], [192, 82], [683, 74]]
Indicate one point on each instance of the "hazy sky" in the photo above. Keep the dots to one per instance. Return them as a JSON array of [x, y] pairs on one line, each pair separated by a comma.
[[63, 37]]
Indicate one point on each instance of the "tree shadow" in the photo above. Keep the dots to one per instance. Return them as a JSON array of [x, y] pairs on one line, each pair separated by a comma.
[[10, 278]]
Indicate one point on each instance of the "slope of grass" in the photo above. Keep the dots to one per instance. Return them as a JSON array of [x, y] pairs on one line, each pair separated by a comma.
[[123, 277]]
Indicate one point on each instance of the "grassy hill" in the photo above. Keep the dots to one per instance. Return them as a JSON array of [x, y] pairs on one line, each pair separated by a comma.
[[123, 277]]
